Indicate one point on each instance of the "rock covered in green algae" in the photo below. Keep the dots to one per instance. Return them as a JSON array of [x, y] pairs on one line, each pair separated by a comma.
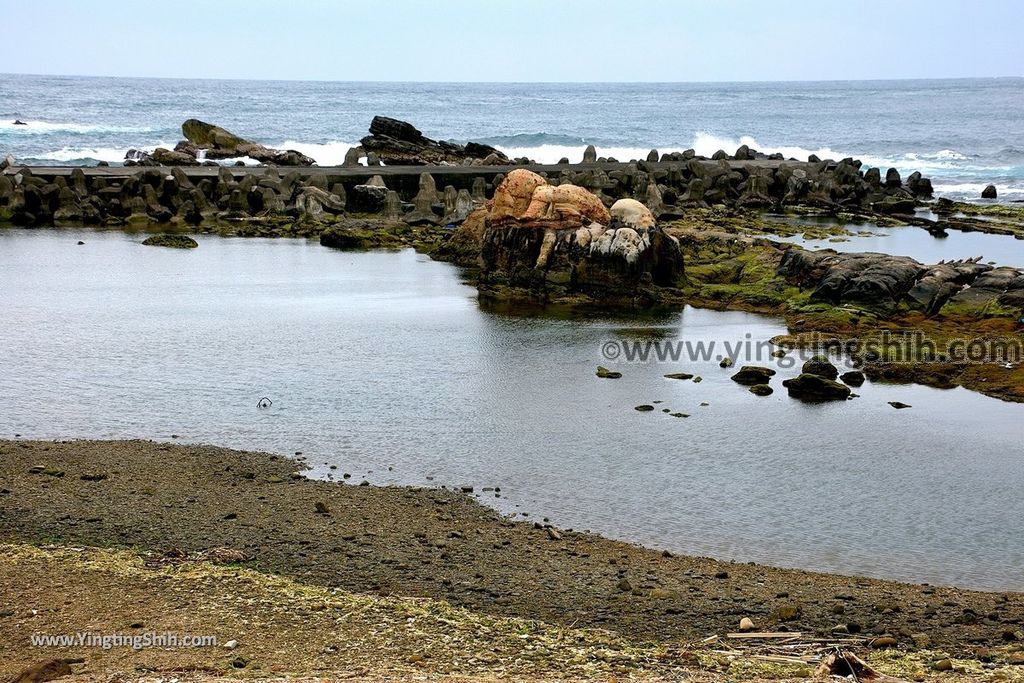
[[820, 366], [173, 241]]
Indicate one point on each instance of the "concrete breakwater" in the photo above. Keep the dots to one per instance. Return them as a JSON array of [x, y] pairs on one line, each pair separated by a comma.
[[192, 195]]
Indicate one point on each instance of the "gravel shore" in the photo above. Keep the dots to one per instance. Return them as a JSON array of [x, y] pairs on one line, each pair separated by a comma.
[[175, 501]]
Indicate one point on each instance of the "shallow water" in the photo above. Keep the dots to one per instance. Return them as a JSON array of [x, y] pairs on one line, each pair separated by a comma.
[[378, 360], [914, 242]]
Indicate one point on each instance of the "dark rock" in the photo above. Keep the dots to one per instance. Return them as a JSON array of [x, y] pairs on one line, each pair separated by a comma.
[[645, 408], [989, 192], [605, 373], [854, 378], [814, 388], [821, 366], [899, 405], [751, 375], [400, 143], [679, 375], [173, 241], [367, 199], [761, 390]]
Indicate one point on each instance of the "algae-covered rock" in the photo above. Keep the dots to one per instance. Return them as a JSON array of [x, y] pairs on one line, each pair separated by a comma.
[[172, 241]]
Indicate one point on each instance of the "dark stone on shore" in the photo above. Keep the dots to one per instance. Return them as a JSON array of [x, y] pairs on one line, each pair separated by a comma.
[[751, 375], [815, 388], [821, 366], [173, 241], [761, 390], [989, 192]]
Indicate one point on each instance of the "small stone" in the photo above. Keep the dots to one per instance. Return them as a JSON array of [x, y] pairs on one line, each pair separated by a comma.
[[882, 642], [679, 414], [662, 594], [679, 375], [746, 624], [624, 585], [553, 534], [466, 489], [605, 373], [789, 612], [644, 408], [321, 508], [943, 665], [231, 644], [698, 379], [899, 405], [722, 575], [726, 363]]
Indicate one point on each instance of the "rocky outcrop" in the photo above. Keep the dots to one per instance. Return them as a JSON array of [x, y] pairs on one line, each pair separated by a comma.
[[889, 283], [398, 143], [213, 142], [549, 241]]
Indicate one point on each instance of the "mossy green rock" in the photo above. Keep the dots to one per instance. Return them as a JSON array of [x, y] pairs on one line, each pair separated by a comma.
[[172, 241]]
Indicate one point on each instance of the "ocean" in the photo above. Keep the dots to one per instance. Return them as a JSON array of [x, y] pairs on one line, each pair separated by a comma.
[[964, 134]]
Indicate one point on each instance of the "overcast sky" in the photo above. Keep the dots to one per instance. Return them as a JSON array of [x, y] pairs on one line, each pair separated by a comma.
[[521, 40]]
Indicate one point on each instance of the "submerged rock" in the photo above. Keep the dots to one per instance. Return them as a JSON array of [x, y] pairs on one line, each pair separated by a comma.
[[761, 390]]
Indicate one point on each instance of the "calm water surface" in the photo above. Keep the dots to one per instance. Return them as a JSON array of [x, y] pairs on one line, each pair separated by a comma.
[[378, 360], [913, 241]]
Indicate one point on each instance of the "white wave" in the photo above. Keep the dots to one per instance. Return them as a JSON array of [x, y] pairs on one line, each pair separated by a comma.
[[326, 154], [47, 127], [974, 189], [108, 154]]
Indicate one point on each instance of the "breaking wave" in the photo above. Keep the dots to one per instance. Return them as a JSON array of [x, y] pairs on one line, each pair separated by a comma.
[[47, 128]]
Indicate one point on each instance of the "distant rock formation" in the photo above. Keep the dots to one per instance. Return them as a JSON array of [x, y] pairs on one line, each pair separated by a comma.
[[214, 142], [398, 143]]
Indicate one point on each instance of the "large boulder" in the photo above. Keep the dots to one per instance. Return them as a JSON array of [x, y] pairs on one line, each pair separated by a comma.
[[218, 143], [820, 366], [561, 239], [399, 143]]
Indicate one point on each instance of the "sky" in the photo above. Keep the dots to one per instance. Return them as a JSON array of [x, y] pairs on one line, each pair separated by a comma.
[[521, 40]]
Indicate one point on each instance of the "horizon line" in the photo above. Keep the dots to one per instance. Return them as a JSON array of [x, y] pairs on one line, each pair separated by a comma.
[[512, 82]]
